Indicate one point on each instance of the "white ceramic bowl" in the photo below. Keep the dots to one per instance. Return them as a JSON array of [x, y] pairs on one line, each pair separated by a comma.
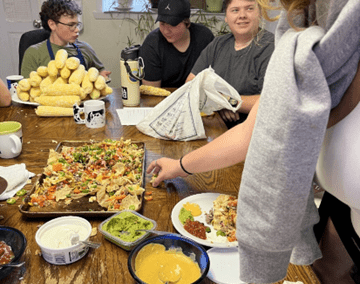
[[66, 255]]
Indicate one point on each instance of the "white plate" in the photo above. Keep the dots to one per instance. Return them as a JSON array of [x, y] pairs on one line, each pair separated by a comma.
[[16, 99], [205, 201], [224, 266]]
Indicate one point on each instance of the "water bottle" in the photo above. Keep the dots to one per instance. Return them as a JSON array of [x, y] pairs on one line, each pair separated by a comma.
[[131, 73]]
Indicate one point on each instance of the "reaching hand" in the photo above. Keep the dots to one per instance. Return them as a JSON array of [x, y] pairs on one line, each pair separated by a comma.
[[165, 168], [105, 73], [228, 115]]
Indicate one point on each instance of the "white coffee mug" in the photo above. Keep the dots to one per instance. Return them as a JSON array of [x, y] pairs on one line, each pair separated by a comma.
[[94, 112], [12, 83], [10, 139]]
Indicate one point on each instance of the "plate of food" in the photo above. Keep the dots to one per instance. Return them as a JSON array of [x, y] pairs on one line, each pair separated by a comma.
[[63, 82], [89, 179], [207, 218]]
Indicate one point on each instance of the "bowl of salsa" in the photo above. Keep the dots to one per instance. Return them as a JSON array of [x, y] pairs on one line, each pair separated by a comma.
[[12, 247]]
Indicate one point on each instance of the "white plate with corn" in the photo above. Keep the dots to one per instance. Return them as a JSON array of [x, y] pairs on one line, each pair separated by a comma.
[[55, 88]]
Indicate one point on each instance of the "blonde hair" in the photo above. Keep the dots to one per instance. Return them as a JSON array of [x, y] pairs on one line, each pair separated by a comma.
[[293, 8]]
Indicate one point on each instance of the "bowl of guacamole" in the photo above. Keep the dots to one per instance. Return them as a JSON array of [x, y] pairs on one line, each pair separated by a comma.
[[121, 228]]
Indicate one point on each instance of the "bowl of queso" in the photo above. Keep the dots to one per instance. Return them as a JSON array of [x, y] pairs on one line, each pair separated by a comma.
[[12, 247], [55, 239], [168, 259]]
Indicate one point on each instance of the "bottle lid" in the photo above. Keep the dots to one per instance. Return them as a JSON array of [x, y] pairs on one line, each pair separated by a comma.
[[131, 52]]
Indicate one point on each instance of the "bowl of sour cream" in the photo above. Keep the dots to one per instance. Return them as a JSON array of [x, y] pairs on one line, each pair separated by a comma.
[[55, 239]]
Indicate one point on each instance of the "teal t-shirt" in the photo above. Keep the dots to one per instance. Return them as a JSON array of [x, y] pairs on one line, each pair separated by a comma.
[[38, 55]]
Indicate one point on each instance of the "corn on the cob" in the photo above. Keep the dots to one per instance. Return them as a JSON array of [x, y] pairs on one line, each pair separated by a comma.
[[24, 96], [87, 85], [24, 85], [65, 72], [35, 79], [93, 74], [100, 83], [95, 94], [52, 69], [72, 63], [47, 82], [35, 92], [154, 91], [58, 101], [60, 58], [54, 111], [42, 71], [62, 90], [106, 91], [83, 94], [60, 80], [78, 75]]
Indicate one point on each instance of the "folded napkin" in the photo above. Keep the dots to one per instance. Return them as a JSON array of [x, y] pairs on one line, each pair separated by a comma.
[[17, 177]]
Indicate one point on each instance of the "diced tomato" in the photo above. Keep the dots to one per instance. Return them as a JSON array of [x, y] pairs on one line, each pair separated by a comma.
[[148, 192], [76, 191], [148, 198]]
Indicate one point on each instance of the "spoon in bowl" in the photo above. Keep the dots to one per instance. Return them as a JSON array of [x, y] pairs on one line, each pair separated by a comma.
[[12, 264], [75, 240]]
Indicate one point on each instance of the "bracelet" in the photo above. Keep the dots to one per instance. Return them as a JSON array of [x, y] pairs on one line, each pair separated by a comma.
[[182, 167]]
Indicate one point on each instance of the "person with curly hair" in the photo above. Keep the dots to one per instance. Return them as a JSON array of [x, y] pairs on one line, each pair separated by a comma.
[[312, 72], [60, 18]]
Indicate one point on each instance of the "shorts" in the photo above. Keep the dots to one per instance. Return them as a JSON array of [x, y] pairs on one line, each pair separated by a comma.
[[339, 213]]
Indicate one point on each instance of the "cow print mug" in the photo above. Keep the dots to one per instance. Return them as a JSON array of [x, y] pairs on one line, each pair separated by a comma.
[[94, 112]]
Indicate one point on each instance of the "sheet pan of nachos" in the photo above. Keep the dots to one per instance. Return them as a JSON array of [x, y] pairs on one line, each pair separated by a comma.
[[89, 178]]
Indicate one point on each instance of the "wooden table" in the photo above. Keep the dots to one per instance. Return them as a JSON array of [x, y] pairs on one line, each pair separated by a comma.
[[108, 264]]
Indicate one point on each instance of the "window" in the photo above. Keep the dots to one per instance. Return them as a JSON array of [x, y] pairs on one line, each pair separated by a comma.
[[141, 5]]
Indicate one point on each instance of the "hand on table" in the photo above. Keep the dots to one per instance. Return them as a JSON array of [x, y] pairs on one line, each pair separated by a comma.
[[228, 115], [105, 74], [165, 168]]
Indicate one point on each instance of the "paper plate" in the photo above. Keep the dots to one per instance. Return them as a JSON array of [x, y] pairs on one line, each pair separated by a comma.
[[224, 266]]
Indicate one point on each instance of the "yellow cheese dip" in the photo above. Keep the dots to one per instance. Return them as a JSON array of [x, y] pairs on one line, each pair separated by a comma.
[[154, 264], [193, 208]]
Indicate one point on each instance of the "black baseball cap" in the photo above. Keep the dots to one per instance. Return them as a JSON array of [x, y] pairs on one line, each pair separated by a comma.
[[173, 12]]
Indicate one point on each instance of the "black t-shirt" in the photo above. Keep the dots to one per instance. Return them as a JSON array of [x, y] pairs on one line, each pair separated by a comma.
[[164, 62]]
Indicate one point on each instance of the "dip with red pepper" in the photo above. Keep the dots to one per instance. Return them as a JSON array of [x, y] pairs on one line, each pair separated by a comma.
[[6, 253]]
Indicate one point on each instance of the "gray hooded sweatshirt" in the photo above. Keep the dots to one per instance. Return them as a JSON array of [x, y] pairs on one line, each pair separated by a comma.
[[307, 75]]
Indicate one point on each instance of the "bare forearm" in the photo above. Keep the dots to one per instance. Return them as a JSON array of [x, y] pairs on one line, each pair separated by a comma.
[[152, 83], [228, 149], [248, 103]]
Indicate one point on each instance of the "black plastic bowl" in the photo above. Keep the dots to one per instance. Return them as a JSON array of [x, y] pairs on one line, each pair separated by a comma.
[[17, 241], [172, 240]]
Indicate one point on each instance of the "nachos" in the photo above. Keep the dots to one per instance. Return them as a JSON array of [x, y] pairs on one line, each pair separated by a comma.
[[109, 172]]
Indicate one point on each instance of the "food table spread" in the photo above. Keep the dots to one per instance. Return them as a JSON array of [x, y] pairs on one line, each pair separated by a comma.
[[108, 264]]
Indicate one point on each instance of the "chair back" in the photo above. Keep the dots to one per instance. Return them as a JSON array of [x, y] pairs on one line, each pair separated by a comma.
[[30, 38]]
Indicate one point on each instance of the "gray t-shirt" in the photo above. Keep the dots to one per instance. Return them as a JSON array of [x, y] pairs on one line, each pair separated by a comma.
[[243, 69]]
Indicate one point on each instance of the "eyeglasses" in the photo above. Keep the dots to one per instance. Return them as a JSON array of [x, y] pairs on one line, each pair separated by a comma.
[[72, 26]]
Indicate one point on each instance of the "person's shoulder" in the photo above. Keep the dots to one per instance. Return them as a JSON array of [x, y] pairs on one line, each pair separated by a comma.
[[154, 35], [38, 45], [267, 37], [200, 28], [82, 44], [222, 39]]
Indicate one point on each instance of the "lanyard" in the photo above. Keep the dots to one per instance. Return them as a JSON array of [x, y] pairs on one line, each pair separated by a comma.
[[79, 55]]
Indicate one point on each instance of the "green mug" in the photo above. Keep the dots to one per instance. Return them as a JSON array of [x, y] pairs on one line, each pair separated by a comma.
[[10, 139]]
